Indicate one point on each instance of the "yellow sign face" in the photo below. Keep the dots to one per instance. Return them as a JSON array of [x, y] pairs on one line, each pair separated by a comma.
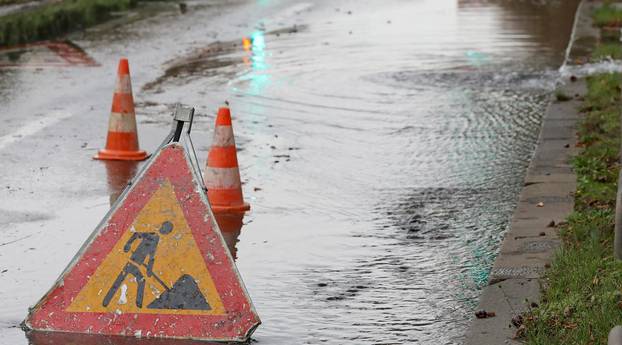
[[155, 268]]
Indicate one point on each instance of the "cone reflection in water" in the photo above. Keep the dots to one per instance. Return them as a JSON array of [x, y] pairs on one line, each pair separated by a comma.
[[230, 225], [119, 174], [122, 139], [223, 183]]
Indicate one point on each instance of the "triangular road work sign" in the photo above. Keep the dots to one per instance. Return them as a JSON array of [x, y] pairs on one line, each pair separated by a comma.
[[157, 266]]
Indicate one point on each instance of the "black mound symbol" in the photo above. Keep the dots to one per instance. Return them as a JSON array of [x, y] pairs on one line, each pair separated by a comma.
[[183, 295]]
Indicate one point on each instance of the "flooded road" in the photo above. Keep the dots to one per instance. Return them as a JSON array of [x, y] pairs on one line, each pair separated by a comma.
[[382, 148]]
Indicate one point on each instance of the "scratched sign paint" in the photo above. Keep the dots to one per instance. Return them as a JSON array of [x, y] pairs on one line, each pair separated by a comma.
[[45, 54], [157, 266]]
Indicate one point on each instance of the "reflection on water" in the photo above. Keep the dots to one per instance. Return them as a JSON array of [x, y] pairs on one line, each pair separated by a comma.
[[389, 141], [45, 54], [230, 227], [57, 338], [119, 174], [214, 59], [259, 77]]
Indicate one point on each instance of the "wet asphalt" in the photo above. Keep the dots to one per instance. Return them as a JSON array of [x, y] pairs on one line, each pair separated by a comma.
[[382, 147]]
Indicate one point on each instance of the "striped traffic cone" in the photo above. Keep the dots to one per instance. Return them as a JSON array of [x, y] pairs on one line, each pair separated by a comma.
[[222, 175], [122, 141]]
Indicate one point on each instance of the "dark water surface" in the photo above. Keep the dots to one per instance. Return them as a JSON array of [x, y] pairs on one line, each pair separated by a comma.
[[382, 146]]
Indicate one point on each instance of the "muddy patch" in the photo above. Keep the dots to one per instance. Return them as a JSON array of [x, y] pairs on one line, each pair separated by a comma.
[[213, 59]]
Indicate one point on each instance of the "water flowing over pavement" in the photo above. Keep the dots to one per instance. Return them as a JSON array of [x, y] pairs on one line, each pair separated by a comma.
[[382, 146]]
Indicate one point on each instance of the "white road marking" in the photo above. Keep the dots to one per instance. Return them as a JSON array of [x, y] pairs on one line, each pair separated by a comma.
[[32, 128]]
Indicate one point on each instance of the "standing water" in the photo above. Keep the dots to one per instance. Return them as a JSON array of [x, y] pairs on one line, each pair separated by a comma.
[[389, 141], [382, 145]]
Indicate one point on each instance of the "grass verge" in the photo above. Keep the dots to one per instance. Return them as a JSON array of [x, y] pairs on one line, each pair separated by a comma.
[[54, 19], [607, 15], [583, 297], [607, 51]]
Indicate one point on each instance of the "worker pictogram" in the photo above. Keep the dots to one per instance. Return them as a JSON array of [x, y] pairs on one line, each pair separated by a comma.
[[146, 248], [157, 260], [185, 294], [156, 267]]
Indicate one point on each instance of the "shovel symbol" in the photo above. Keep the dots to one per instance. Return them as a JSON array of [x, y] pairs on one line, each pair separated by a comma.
[[184, 295]]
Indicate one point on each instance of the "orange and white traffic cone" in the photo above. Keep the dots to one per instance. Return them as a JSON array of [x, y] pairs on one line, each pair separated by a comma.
[[222, 175], [122, 140]]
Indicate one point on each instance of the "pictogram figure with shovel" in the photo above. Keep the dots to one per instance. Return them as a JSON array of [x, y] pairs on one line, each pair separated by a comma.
[[146, 248], [184, 294]]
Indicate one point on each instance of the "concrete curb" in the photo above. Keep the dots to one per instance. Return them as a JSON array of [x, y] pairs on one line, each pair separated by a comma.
[[546, 200], [529, 245]]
